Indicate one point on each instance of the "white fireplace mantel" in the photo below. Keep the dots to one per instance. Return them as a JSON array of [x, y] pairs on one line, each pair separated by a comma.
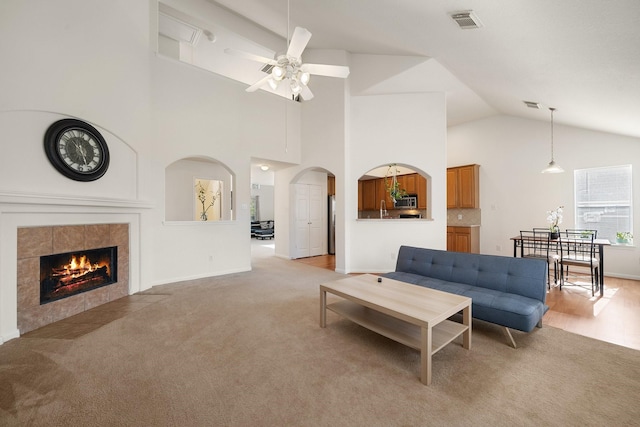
[[35, 210], [9, 198]]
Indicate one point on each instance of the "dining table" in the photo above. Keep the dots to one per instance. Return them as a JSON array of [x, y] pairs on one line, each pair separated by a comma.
[[599, 243]]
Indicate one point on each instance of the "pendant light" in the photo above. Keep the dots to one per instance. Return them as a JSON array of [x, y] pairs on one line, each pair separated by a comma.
[[552, 167]]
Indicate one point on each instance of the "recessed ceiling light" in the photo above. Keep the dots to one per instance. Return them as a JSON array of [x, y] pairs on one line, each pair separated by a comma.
[[531, 104], [264, 167]]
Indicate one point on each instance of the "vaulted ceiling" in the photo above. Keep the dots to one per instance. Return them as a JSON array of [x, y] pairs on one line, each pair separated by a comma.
[[581, 57]]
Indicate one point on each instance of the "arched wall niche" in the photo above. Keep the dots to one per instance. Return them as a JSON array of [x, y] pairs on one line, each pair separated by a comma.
[[376, 202], [199, 189]]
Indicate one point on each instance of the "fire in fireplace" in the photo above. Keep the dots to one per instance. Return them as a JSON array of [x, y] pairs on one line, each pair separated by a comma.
[[71, 273]]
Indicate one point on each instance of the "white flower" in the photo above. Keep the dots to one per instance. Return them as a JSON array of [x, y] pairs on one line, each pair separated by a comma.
[[555, 216]]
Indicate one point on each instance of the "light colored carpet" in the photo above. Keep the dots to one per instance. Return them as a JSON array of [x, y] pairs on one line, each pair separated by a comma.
[[246, 350]]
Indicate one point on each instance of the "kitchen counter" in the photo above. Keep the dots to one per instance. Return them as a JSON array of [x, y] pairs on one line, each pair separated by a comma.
[[394, 219]]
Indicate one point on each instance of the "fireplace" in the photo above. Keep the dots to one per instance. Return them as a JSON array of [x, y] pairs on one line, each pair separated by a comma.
[[71, 273], [52, 249]]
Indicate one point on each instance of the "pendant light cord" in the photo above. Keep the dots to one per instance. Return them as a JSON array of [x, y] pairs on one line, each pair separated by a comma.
[[552, 110]]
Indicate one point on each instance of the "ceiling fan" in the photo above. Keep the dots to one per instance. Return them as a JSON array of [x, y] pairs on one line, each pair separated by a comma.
[[289, 66]]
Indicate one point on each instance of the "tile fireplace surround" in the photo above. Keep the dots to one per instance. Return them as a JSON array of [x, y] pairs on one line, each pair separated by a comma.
[[34, 242]]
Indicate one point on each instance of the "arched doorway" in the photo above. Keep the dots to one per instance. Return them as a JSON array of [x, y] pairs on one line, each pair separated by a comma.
[[313, 213]]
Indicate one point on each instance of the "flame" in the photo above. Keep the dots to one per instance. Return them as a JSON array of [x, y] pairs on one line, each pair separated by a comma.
[[79, 266]]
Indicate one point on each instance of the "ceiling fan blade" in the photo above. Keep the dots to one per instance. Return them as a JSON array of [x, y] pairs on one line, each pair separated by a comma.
[[250, 56], [301, 37], [326, 70], [306, 93], [257, 85]]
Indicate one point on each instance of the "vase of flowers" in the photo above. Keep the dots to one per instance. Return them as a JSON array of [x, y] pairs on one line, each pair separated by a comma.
[[624, 237], [207, 198], [554, 218]]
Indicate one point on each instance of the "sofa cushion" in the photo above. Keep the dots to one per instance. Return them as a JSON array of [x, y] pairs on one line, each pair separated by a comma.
[[521, 276], [502, 308]]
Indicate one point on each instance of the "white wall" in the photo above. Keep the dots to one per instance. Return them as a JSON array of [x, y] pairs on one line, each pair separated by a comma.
[[265, 192], [515, 196], [407, 129], [95, 60], [323, 133]]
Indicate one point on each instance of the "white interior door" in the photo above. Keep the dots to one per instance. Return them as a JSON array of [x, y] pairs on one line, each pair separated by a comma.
[[308, 200], [301, 197], [316, 229]]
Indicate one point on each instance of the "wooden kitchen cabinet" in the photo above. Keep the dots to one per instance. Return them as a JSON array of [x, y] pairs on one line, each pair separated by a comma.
[[463, 187], [421, 191], [383, 194], [463, 239], [369, 195], [372, 191], [408, 183], [331, 185]]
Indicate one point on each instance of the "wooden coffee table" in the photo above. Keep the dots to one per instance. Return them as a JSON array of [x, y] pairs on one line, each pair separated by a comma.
[[411, 315]]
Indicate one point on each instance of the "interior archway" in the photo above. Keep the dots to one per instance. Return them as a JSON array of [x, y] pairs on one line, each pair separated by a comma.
[[198, 189], [313, 214], [394, 191]]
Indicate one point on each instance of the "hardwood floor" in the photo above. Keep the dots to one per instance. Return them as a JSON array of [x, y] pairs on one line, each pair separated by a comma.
[[614, 318], [322, 261]]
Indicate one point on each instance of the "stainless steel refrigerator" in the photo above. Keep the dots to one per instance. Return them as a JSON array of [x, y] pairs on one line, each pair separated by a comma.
[[331, 240]]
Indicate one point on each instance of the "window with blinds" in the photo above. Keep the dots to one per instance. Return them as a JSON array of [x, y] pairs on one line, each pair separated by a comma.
[[603, 200]]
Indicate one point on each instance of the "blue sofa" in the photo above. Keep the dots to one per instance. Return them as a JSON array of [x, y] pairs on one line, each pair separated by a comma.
[[507, 291]]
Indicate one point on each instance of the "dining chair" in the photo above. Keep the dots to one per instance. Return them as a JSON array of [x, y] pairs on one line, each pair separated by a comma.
[[536, 243], [578, 249], [583, 233]]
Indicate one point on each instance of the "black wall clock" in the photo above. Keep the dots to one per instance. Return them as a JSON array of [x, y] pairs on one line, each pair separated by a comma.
[[76, 149]]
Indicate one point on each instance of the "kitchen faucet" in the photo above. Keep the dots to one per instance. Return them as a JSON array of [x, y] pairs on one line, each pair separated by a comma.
[[383, 208]]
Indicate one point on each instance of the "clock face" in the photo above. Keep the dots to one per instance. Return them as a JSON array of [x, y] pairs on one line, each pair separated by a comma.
[[80, 150], [77, 150]]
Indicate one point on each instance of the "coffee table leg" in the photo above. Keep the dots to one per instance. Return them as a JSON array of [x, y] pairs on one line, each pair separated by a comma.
[[425, 356], [466, 320], [323, 308]]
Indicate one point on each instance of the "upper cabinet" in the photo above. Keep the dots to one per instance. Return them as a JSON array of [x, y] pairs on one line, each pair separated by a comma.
[[463, 187], [331, 185], [370, 195], [371, 192]]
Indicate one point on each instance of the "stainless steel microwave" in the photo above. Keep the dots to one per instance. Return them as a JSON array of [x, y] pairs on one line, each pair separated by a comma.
[[407, 202]]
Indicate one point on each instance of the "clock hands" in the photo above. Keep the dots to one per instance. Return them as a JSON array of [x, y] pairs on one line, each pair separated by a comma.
[[83, 152]]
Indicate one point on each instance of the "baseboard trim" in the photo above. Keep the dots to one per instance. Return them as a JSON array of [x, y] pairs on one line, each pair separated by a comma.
[[12, 335], [200, 276]]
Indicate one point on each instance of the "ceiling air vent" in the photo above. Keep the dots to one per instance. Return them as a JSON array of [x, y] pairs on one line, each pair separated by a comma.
[[267, 68], [532, 104], [466, 19]]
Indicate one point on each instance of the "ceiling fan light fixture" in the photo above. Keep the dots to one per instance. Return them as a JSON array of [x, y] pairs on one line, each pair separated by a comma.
[[295, 87], [552, 167], [289, 66], [304, 77], [278, 72], [273, 84]]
